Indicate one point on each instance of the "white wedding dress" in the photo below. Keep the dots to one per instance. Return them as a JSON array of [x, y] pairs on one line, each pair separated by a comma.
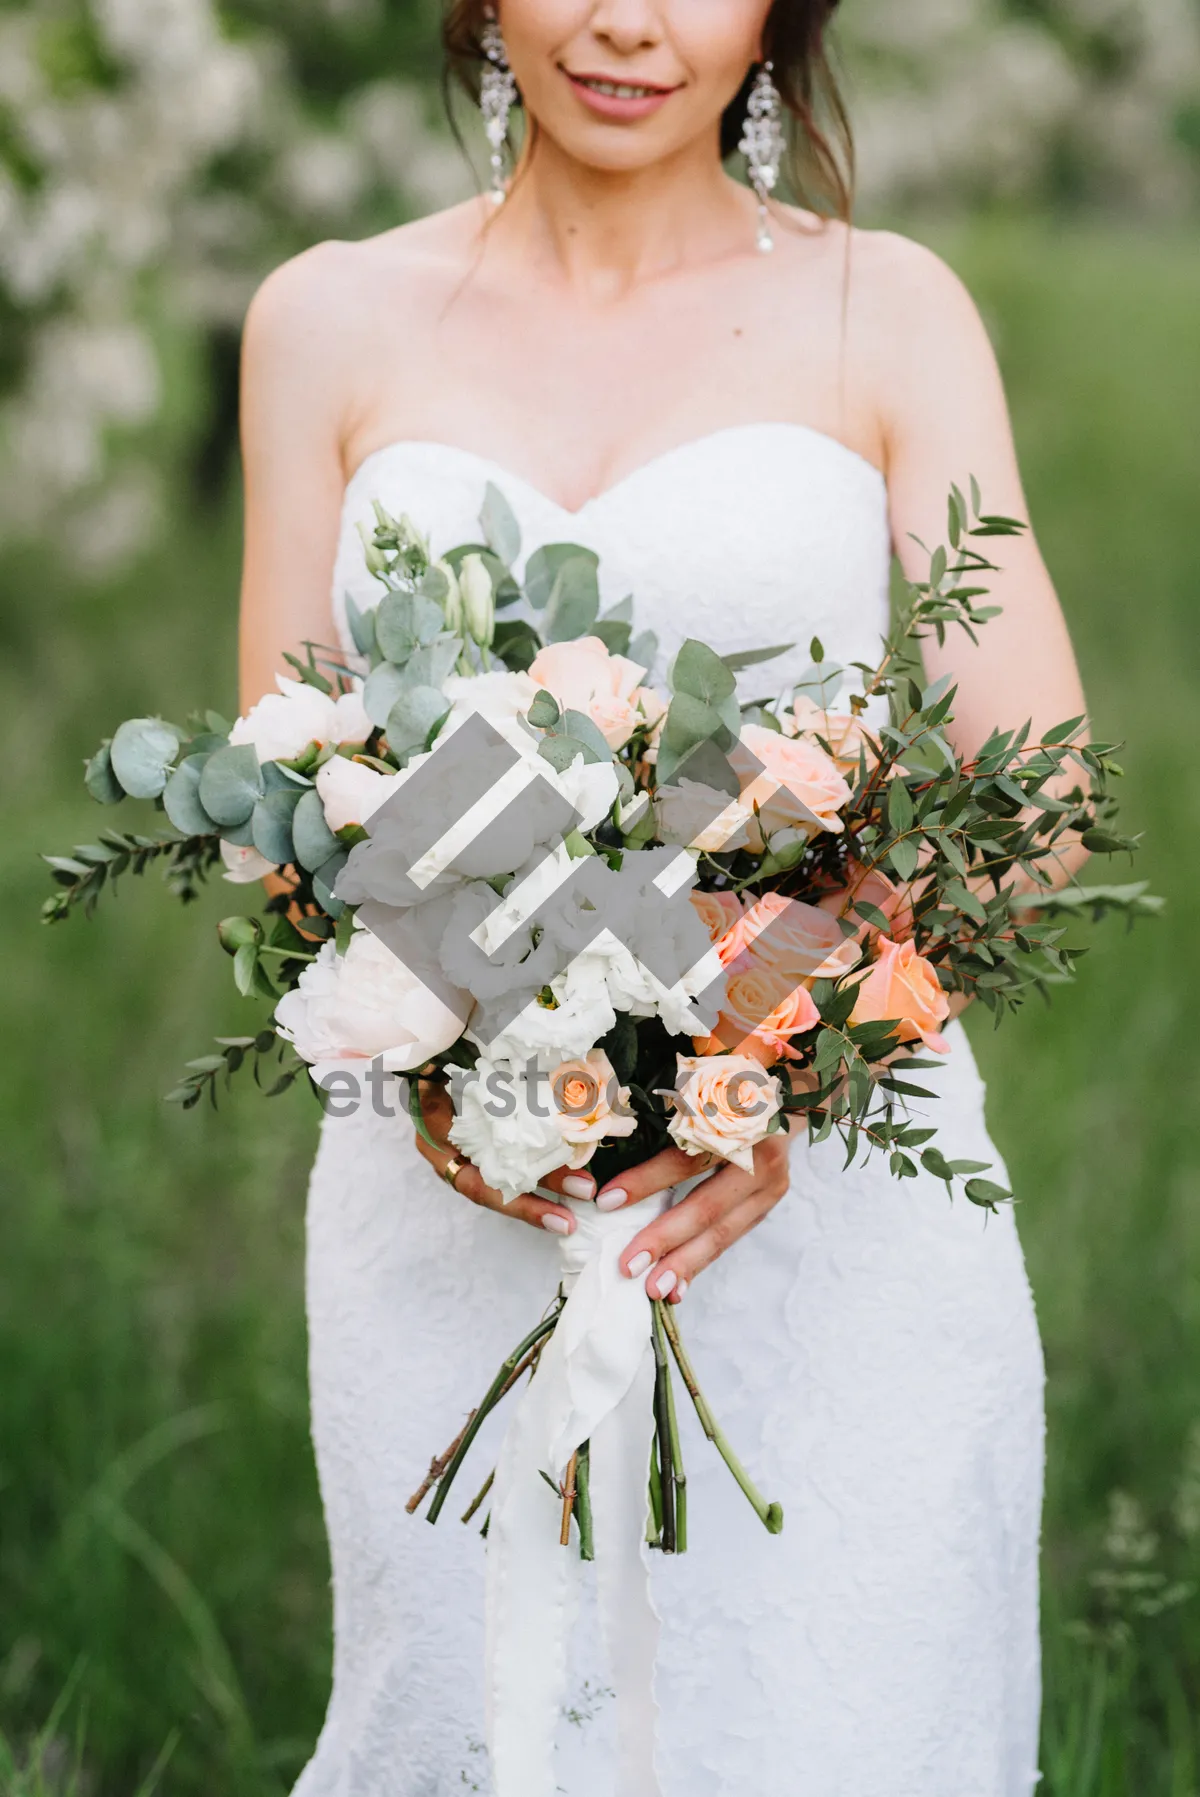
[[871, 1348]]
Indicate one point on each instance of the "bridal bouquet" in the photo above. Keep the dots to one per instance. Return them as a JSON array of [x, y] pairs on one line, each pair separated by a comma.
[[611, 914]]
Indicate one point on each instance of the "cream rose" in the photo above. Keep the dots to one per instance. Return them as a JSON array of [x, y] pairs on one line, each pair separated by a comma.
[[845, 734], [724, 1105], [591, 1105], [721, 914], [903, 986], [800, 940], [798, 787], [583, 676]]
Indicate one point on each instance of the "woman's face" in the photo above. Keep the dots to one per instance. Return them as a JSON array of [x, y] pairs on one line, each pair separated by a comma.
[[621, 84]]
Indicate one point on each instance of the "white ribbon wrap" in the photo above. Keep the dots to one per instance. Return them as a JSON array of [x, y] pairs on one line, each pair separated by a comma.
[[595, 1382]]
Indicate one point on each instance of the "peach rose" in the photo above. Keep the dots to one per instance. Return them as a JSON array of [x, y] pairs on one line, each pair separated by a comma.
[[592, 1106], [799, 786], [583, 676], [876, 889], [802, 941], [724, 1105], [721, 914], [903, 986], [845, 734], [759, 1016]]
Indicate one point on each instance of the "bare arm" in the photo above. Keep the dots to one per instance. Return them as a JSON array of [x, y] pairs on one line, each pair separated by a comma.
[[296, 387]]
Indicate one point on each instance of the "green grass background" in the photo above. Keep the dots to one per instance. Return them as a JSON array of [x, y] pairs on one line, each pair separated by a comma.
[[163, 1576]]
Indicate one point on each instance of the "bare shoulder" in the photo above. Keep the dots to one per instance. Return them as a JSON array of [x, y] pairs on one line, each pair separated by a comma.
[[908, 302]]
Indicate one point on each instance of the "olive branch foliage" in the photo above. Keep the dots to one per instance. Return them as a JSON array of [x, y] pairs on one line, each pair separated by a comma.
[[976, 842]]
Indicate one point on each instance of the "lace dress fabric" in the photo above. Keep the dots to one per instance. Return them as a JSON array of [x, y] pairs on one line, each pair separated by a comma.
[[871, 1348]]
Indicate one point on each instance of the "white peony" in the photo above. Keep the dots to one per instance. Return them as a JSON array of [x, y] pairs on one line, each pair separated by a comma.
[[499, 696], [351, 792], [366, 1003], [245, 865], [283, 724]]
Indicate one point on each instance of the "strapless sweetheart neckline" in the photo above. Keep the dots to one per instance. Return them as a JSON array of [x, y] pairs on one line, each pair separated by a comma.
[[656, 463]]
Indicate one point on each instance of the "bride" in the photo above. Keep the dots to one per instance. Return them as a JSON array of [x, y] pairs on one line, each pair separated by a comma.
[[744, 438]]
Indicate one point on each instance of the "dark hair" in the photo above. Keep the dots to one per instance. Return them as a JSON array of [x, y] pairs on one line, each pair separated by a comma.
[[821, 164]]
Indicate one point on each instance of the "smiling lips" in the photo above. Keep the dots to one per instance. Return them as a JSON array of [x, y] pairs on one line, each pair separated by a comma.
[[613, 99]]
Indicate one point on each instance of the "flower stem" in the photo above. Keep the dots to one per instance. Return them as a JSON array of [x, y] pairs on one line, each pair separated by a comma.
[[509, 1372], [583, 1501], [676, 1444], [662, 1425], [471, 1508], [771, 1515], [568, 1500]]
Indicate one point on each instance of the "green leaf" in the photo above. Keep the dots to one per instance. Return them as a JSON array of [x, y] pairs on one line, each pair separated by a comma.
[[900, 807], [580, 726], [689, 722], [1103, 842], [699, 672], [515, 643], [140, 754], [403, 622], [544, 713], [614, 633], [985, 1193], [313, 841], [433, 662], [544, 566], [181, 798], [414, 718], [231, 784], [574, 601], [324, 880], [271, 824], [903, 856], [749, 658], [361, 625], [245, 967], [99, 778], [1061, 732], [498, 523], [560, 750], [643, 649], [381, 689]]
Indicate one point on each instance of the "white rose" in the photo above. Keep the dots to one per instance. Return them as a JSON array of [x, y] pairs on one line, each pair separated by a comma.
[[366, 1003], [351, 792], [244, 866], [581, 1012], [511, 1133]]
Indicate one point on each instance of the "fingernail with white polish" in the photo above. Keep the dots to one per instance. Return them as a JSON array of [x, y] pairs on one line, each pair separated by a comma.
[[557, 1225], [578, 1185], [611, 1200], [681, 1288], [639, 1264], [666, 1284]]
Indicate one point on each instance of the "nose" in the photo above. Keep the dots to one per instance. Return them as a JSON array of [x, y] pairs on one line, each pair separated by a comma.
[[628, 25]]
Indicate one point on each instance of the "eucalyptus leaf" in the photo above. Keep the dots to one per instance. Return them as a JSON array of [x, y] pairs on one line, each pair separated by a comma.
[[904, 857], [574, 602], [544, 712], [689, 722], [271, 824], [324, 880], [430, 665], [361, 625], [750, 658], [100, 780], [698, 671], [643, 649], [498, 522], [614, 634], [381, 689], [181, 798], [414, 717], [545, 565], [404, 621], [516, 643], [579, 725], [141, 753], [312, 839], [231, 784]]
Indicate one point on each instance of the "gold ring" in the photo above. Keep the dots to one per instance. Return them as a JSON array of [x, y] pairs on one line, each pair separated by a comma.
[[451, 1171]]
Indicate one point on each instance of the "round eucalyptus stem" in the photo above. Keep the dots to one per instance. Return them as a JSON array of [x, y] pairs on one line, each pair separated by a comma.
[[771, 1515], [509, 1372]]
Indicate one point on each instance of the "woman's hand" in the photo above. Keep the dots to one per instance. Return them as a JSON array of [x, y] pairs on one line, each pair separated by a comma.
[[540, 1213], [689, 1237]]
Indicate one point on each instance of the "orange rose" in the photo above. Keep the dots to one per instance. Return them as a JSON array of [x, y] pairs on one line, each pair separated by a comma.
[[799, 786], [760, 1016], [902, 986], [876, 889], [804, 942], [721, 914]]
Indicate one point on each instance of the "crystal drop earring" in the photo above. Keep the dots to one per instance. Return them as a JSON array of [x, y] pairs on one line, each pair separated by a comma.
[[497, 95], [762, 145]]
